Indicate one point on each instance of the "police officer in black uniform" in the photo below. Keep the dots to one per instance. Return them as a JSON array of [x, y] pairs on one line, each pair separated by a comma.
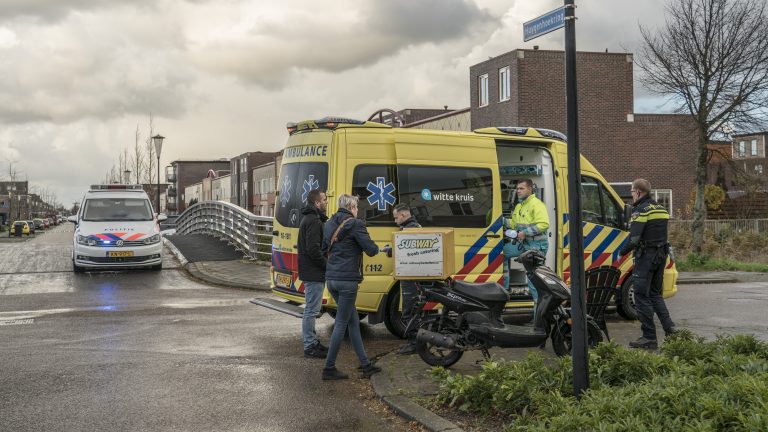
[[410, 290], [648, 240]]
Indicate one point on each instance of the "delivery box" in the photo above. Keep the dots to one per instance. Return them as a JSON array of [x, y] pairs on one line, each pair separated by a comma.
[[423, 253]]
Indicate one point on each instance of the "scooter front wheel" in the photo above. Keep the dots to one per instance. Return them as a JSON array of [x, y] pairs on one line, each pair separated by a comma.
[[562, 337], [434, 355]]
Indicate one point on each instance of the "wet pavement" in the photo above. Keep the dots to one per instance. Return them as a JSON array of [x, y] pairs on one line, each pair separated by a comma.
[[158, 351]]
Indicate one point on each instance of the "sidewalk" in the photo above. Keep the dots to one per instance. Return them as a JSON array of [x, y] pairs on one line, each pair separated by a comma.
[[218, 263]]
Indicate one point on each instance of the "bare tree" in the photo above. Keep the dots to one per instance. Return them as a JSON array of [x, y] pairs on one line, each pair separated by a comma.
[[137, 158], [149, 151], [711, 57]]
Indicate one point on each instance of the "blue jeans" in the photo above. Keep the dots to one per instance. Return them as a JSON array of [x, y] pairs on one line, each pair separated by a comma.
[[514, 250], [313, 294], [344, 293]]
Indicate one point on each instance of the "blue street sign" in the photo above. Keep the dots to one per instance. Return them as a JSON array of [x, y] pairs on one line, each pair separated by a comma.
[[544, 24]]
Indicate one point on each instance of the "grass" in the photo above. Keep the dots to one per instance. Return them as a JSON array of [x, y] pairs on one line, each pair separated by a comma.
[[694, 263]]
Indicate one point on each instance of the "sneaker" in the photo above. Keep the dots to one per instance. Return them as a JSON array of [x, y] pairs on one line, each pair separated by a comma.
[[407, 349], [333, 374], [370, 369], [315, 352], [321, 347], [644, 343]]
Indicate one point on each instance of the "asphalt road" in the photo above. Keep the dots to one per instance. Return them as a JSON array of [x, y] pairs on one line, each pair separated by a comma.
[[156, 351]]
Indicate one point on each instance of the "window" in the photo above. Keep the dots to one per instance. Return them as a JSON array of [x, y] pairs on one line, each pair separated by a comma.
[[447, 196], [296, 180], [117, 209], [482, 89], [663, 197], [370, 182], [753, 149], [598, 205], [742, 148], [759, 169], [504, 84]]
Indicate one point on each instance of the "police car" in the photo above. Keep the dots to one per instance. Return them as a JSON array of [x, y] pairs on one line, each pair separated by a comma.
[[116, 228]]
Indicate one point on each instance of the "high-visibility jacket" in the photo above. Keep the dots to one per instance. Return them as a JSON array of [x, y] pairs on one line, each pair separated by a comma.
[[530, 217]]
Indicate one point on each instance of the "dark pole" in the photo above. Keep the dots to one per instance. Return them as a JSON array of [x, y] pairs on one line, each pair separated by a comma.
[[575, 234], [158, 183]]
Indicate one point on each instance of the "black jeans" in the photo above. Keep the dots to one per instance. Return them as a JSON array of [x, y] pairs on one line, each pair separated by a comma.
[[410, 292], [648, 283]]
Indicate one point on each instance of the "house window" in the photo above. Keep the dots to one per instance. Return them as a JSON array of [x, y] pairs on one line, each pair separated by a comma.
[[504, 84], [482, 89], [753, 151], [742, 148], [759, 169], [663, 197]]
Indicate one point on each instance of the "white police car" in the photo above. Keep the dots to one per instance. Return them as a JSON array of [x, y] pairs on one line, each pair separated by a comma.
[[116, 228]]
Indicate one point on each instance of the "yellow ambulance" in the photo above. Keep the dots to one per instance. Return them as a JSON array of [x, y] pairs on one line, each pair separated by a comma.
[[464, 181]]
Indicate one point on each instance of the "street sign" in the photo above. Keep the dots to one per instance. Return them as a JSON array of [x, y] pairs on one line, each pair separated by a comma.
[[544, 24]]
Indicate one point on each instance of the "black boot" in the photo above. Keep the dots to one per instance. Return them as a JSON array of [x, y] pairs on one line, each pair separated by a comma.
[[333, 374], [644, 343], [370, 369]]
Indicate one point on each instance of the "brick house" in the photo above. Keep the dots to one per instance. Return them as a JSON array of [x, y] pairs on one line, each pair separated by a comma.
[[183, 173], [241, 168], [527, 88], [264, 185]]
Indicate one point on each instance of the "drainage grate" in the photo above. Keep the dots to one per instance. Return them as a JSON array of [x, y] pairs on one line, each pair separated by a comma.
[[16, 322]]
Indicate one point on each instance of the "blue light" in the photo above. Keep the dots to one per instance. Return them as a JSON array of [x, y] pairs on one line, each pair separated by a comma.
[[107, 242]]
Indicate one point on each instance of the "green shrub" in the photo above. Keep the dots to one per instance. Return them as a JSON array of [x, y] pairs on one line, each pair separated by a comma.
[[690, 385]]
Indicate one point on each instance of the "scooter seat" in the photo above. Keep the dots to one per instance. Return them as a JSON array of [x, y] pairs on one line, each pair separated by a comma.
[[485, 291]]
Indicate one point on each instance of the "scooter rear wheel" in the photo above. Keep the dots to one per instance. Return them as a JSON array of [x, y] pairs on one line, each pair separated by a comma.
[[434, 355], [562, 337]]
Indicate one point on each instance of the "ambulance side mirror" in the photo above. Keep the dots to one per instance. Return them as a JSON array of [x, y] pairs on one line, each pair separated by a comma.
[[627, 216]]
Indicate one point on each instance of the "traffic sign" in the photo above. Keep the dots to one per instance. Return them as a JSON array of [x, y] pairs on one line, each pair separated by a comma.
[[544, 24]]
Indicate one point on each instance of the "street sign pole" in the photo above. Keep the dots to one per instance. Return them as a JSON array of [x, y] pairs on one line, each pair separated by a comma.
[[575, 233]]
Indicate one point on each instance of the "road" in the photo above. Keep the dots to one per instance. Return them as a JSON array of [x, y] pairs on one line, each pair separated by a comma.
[[157, 351]]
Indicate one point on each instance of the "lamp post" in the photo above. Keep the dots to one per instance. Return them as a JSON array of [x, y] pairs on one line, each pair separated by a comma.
[[158, 141], [127, 176]]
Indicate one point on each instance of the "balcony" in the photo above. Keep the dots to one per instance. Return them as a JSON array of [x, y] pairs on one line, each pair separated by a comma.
[[172, 192], [170, 174]]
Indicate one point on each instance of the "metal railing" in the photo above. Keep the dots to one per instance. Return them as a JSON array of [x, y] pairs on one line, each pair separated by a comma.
[[731, 225], [247, 232]]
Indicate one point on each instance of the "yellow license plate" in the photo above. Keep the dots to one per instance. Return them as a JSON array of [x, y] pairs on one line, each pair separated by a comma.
[[283, 280], [117, 254]]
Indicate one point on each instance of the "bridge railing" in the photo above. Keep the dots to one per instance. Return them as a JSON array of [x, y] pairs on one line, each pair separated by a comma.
[[247, 232]]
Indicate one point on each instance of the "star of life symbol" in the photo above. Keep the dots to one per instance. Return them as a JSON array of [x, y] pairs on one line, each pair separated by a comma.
[[309, 185], [381, 193], [285, 191]]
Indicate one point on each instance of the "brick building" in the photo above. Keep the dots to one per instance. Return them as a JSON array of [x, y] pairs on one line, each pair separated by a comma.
[[527, 88], [241, 168], [264, 186], [183, 173]]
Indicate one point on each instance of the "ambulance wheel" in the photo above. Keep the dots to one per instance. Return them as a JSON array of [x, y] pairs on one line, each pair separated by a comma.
[[393, 318], [625, 304]]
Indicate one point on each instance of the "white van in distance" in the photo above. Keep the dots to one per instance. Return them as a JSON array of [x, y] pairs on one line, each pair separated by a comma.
[[116, 228]]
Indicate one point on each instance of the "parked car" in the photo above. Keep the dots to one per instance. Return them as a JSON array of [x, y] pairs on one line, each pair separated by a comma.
[[39, 223], [31, 224], [19, 225], [46, 223]]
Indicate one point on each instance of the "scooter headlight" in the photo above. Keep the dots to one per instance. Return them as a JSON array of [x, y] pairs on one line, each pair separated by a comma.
[[553, 282]]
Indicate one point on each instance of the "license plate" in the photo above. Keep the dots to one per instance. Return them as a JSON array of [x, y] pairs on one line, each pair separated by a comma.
[[283, 280], [117, 254]]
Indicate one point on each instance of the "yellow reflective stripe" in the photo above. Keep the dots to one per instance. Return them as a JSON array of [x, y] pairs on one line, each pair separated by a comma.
[[658, 216]]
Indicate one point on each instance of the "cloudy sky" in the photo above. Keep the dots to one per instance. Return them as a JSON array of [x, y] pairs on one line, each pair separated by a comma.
[[222, 77]]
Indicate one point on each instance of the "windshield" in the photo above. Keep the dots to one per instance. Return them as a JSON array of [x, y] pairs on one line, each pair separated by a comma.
[[296, 180], [117, 209]]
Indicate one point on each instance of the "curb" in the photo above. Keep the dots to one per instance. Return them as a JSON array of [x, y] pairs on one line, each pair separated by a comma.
[[692, 281], [182, 259], [405, 407], [192, 270]]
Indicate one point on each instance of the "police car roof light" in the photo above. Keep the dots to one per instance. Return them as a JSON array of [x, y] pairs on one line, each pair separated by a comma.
[[112, 187]]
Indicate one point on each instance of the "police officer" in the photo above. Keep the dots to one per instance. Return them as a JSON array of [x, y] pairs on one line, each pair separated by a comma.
[[531, 221], [403, 217], [648, 240]]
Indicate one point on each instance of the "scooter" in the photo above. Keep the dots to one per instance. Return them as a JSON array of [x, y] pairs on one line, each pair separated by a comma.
[[471, 317]]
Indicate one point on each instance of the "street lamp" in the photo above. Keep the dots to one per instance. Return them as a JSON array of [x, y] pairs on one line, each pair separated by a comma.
[[158, 141], [127, 176]]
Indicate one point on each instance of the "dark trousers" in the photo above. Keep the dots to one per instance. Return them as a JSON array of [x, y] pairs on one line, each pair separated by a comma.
[[410, 292], [648, 283]]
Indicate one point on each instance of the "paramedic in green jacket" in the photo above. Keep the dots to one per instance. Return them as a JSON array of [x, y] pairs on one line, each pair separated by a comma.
[[531, 221]]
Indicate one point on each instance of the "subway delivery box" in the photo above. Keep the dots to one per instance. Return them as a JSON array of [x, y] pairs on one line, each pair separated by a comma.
[[463, 181]]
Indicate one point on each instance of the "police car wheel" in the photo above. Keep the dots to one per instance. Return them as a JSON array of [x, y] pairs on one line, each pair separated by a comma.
[[77, 269], [625, 305]]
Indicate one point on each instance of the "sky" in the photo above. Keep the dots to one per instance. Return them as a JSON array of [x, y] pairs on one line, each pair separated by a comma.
[[223, 77]]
